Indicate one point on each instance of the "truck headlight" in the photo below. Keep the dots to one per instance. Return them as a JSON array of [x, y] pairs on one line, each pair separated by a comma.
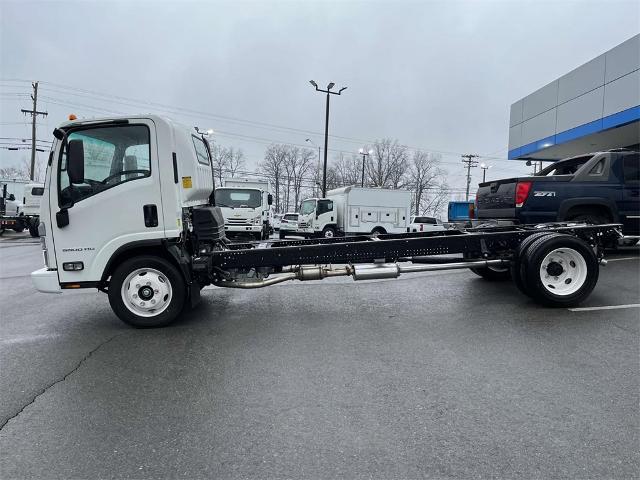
[[257, 220]]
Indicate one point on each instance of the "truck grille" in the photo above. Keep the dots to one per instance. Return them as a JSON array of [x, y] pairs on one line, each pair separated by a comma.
[[303, 225], [238, 221]]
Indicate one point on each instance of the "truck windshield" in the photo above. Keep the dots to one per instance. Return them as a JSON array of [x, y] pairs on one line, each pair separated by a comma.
[[238, 197], [307, 207]]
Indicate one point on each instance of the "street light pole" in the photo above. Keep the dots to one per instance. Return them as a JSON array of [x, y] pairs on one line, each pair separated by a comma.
[[484, 168], [326, 129], [364, 154]]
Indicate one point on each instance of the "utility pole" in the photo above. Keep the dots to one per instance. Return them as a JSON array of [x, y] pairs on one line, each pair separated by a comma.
[[34, 113], [468, 161], [326, 129]]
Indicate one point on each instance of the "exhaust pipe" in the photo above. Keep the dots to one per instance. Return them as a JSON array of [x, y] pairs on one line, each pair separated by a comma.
[[375, 271]]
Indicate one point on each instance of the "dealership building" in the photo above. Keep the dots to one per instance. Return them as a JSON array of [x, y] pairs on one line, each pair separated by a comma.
[[592, 108]]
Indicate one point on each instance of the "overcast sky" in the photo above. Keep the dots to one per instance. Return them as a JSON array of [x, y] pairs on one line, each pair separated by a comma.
[[438, 75]]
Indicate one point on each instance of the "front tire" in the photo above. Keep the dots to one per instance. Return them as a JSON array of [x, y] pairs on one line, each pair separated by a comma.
[[328, 232], [147, 292], [281, 235]]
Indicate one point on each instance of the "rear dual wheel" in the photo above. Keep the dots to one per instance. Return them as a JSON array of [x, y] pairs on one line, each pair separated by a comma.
[[556, 270]]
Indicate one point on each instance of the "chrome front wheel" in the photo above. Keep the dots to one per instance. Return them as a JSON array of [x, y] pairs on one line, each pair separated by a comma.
[[146, 292]]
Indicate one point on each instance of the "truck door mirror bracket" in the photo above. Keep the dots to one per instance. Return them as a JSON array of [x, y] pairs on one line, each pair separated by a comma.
[[75, 161], [62, 218], [270, 199]]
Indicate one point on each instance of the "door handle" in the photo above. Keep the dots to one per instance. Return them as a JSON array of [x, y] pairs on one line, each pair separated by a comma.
[[150, 215]]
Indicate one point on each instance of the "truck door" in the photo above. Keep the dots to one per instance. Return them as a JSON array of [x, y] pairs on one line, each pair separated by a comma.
[[108, 195], [629, 208]]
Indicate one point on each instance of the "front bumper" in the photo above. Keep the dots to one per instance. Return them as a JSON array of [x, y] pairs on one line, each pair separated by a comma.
[[243, 228], [46, 281]]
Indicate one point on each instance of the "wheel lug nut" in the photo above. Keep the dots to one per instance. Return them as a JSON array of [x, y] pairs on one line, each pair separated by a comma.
[[153, 301], [148, 283], [137, 285], [555, 278], [156, 291], [135, 296], [142, 304]]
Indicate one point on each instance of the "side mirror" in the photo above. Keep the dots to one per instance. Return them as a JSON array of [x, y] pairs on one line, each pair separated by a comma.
[[12, 197], [270, 199], [75, 161]]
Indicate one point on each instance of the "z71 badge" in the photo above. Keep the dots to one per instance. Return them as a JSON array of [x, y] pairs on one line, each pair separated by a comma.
[[544, 194]]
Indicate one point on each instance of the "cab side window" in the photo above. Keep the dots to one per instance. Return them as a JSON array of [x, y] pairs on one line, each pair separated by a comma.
[[631, 167], [324, 206], [112, 155]]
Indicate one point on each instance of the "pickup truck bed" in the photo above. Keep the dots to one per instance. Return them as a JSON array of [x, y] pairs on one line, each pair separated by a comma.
[[596, 188]]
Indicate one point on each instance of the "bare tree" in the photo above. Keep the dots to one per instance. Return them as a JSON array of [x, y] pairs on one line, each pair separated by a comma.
[[220, 159], [235, 160], [388, 164], [423, 176], [302, 166], [349, 170], [273, 165]]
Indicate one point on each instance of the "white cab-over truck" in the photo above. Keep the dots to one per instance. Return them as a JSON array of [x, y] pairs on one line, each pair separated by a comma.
[[246, 207], [354, 211], [129, 209]]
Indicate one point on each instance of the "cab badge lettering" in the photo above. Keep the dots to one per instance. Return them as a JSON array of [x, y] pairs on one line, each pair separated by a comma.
[[186, 182], [544, 194], [79, 249]]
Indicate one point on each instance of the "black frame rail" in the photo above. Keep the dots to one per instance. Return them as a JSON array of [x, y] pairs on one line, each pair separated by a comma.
[[481, 242]]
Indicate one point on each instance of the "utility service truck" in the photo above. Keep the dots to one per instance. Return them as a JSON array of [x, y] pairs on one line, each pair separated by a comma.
[[246, 207], [129, 208], [354, 211]]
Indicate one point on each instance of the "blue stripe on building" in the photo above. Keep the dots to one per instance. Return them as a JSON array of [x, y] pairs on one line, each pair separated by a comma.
[[612, 121]]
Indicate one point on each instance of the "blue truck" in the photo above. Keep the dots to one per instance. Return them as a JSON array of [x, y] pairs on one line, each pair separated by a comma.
[[597, 188]]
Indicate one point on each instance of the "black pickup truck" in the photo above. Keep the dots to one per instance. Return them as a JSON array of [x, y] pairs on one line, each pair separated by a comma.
[[602, 187]]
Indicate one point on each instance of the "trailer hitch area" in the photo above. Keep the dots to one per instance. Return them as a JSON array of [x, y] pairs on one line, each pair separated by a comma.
[[372, 271]]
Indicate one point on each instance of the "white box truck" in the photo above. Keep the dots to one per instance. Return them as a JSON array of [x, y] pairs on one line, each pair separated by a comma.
[[246, 207], [354, 211]]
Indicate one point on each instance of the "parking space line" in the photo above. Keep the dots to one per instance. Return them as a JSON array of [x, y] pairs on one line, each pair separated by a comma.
[[607, 307]]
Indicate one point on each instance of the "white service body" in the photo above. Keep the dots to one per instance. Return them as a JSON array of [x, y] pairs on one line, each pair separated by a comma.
[[248, 209], [354, 211]]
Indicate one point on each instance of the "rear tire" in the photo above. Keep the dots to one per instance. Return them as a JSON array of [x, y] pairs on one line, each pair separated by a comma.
[[378, 231], [18, 230], [147, 292], [561, 270], [493, 274], [33, 231], [516, 263]]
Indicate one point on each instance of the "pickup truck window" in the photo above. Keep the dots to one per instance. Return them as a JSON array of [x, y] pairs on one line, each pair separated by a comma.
[[631, 166], [598, 168], [112, 155], [564, 167]]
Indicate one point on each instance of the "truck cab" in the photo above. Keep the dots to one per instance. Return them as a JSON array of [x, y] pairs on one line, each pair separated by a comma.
[[317, 218], [116, 190], [246, 207]]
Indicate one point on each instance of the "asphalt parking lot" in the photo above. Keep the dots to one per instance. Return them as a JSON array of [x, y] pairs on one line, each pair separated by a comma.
[[438, 375]]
